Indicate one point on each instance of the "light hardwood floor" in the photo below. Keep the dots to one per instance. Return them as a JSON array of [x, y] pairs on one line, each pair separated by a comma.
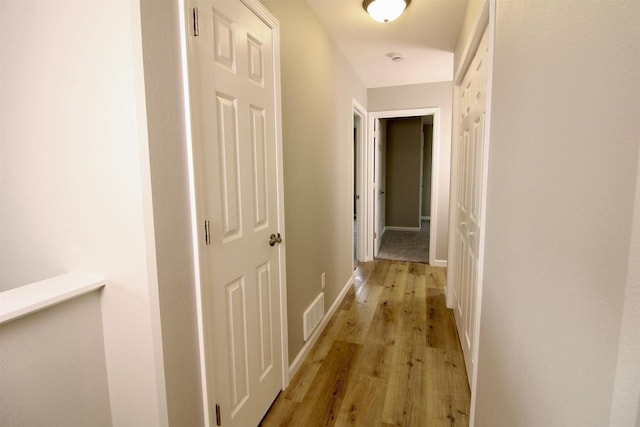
[[390, 356]]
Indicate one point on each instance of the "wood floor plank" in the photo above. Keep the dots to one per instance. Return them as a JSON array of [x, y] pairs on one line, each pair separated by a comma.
[[406, 389], [414, 310], [375, 360], [360, 275], [384, 324], [447, 388], [379, 273], [388, 357], [418, 268], [280, 413], [436, 277], [358, 318], [441, 329], [362, 272], [406, 393], [348, 300], [323, 401], [301, 382], [395, 282], [362, 404]]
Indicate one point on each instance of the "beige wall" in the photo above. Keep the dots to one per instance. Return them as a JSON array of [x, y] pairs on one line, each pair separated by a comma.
[[559, 217], [404, 140], [318, 86], [428, 95]]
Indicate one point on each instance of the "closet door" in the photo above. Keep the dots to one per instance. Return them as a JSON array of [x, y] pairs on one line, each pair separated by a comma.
[[471, 148]]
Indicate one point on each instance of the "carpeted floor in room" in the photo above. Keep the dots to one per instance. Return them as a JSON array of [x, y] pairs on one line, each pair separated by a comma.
[[406, 245]]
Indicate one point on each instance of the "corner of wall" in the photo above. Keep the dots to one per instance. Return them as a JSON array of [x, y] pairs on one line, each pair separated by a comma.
[[170, 205]]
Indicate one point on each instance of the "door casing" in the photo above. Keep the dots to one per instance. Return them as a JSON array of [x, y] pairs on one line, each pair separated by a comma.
[[370, 193], [359, 175]]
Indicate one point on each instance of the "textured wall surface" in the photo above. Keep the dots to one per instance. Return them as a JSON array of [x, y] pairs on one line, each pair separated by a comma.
[[559, 211], [53, 368], [75, 179], [318, 88]]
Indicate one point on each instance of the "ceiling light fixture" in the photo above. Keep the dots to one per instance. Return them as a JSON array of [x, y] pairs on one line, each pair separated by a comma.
[[385, 10]]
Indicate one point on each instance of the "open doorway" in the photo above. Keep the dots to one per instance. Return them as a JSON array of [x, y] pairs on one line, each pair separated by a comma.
[[359, 218], [405, 181], [405, 169]]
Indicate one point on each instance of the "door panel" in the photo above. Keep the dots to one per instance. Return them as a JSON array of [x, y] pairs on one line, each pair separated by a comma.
[[232, 87], [471, 151], [230, 182], [260, 178], [237, 344]]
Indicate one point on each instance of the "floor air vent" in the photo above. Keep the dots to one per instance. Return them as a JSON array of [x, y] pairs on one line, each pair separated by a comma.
[[313, 315]]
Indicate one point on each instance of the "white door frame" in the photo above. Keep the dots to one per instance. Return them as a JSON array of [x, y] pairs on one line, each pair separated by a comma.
[[361, 179], [186, 27], [371, 189], [485, 20], [421, 186]]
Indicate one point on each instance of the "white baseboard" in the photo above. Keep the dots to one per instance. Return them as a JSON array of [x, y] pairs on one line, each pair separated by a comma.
[[439, 263], [306, 348], [393, 227], [425, 218]]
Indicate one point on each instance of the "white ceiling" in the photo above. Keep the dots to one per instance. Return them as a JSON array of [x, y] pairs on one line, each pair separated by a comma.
[[425, 35]]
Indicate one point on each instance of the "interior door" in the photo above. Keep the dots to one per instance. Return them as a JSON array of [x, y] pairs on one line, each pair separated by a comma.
[[471, 143], [232, 87], [379, 186]]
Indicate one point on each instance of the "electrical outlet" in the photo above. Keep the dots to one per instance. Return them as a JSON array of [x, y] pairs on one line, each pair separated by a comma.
[[322, 281]]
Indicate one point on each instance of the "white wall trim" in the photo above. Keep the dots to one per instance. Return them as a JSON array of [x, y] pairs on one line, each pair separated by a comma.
[[472, 43], [274, 24], [363, 248], [435, 161], [306, 348], [399, 228], [24, 300], [425, 218], [438, 263]]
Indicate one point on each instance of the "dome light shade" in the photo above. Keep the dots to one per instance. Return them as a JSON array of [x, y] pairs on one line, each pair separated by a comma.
[[385, 10]]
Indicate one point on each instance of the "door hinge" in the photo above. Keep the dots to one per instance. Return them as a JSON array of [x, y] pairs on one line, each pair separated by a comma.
[[218, 421], [375, 235], [207, 233], [196, 30]]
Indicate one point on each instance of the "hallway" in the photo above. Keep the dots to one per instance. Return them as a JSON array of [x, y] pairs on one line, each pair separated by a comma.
[[389, 356]]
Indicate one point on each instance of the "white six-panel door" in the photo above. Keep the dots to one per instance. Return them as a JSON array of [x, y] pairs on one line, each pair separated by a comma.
[[471, 147], [232, 87]]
